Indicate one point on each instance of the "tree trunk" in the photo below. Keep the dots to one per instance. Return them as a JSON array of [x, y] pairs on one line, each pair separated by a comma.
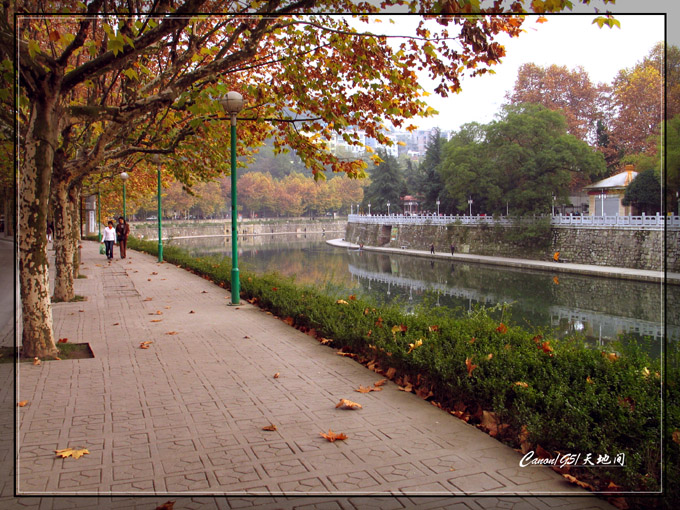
[[63, 241], [41, 139], [75, 193]]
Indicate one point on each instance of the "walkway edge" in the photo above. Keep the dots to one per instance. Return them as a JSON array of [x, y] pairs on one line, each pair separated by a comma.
[[623, 273]]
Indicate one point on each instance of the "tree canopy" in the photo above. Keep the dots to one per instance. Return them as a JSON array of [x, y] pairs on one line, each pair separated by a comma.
[[519, 162]]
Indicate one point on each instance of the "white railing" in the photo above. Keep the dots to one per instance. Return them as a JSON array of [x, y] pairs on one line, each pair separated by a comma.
[[636, 222]]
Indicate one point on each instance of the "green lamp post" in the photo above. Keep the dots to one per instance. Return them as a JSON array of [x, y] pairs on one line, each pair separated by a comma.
[[157, 159], [124, 176], [232, 103], [99, 216]]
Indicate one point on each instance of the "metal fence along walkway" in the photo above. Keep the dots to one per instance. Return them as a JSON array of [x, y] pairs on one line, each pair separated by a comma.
[[656, 222]]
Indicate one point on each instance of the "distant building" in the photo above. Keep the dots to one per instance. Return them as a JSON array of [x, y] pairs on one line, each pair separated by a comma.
[[409, 204], [605, 196]]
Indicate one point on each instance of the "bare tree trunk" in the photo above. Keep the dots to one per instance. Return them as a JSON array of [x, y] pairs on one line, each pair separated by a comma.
[[41, 139], [75, 193], [63, 241]]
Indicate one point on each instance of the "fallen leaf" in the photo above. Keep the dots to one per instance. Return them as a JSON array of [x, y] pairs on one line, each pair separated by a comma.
[[352, 298], [400, 328], [192, 311], [57, 358], [246, 336], [148, 279], [156, 320], [116, 323], [541, 453], [342, 302], [70, 452], [521, 384], [611, 356], [62, 340], [433, 328], [148, 299], [167, 308], [363, 389], [325, 341], [613, 487], [36, 361], [489, 356], [276, 375], [204, 292], [573, 479], [589, 380], [381, 382], [502, 329], [676, 436], [270, 427], [346, 354], [545, 347], [407, 388], [289, 320], [154, 273], [332, 436], [145, 344], [172, 333], [472, 340], [415, 345], [523, 437], [619, 502], [390, 373], [168, 505], [492, 423], [645, 372], [22, 403], [347, 404], [470, 366]]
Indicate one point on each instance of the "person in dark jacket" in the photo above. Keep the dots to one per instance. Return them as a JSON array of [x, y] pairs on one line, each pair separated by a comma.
[[122, 232]]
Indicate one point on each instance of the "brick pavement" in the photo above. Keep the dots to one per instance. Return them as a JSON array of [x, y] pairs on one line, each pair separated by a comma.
[[185, 417]]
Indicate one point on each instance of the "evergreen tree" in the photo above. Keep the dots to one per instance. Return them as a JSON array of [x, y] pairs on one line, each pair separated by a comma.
[[430, 187], [644, 193], [387, 185]]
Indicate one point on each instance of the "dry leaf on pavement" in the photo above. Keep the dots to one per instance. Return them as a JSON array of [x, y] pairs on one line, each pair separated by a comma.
[[270, 427], [145, 344], [168, 505], [332, 436], [381, 382], [578, 482], [347, 404], [22, 403], [70, 452], [172, 333], [36, 361], [276, 375]]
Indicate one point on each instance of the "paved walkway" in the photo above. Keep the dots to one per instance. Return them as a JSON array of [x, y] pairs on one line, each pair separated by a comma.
[[562, 267], [182, 420]]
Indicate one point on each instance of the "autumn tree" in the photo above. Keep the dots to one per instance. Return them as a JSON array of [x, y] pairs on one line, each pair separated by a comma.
[[108, 85], [519, 161], [558, 88]]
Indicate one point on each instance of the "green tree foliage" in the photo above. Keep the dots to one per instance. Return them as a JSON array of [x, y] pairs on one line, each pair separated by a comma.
[[672, 176], [519, 161], [387, 185], [644, 193]]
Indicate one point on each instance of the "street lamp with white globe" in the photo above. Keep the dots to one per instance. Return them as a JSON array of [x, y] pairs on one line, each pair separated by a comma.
[[124, 176], [233, 103]]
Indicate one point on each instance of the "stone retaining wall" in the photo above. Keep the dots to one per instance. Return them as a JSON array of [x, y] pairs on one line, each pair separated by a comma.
[[619, 247], [148, 230]]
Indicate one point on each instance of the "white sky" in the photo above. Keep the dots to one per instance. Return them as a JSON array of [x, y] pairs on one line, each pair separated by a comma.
[[566, 40]]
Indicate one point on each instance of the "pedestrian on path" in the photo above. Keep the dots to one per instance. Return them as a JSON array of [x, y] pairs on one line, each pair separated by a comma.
[[122, 232], [49, 233], [109, 239], [453, 248], [432, 248]]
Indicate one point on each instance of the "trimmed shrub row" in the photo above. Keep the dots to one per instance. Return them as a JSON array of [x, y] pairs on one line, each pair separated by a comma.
[[563, 395]]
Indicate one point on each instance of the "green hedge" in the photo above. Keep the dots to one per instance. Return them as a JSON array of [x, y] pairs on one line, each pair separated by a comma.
[[572, 398]]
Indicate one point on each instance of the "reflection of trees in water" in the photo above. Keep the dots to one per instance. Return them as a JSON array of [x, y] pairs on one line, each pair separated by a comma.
[[596, 307], [533, 289]]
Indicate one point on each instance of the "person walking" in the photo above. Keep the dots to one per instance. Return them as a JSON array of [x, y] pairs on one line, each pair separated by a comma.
[[49, 233], [432, 248], [453, 248], [109, 239], [122, 232]]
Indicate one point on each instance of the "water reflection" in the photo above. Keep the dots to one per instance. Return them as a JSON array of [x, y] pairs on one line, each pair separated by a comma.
[[599, 308]]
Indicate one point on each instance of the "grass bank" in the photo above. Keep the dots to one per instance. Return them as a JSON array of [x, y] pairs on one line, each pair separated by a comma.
[[539, 394]]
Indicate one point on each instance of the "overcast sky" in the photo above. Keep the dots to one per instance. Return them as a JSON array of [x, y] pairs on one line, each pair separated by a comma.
[[566, 40]]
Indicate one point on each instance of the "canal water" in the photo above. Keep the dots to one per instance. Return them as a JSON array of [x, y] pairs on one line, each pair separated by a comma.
[[601, 309]]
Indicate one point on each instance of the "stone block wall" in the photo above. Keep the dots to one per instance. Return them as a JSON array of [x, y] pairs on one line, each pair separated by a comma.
[[619, 247]]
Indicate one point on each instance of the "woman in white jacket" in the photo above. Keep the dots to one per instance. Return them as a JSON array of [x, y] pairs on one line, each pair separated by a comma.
[[109, 239]]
